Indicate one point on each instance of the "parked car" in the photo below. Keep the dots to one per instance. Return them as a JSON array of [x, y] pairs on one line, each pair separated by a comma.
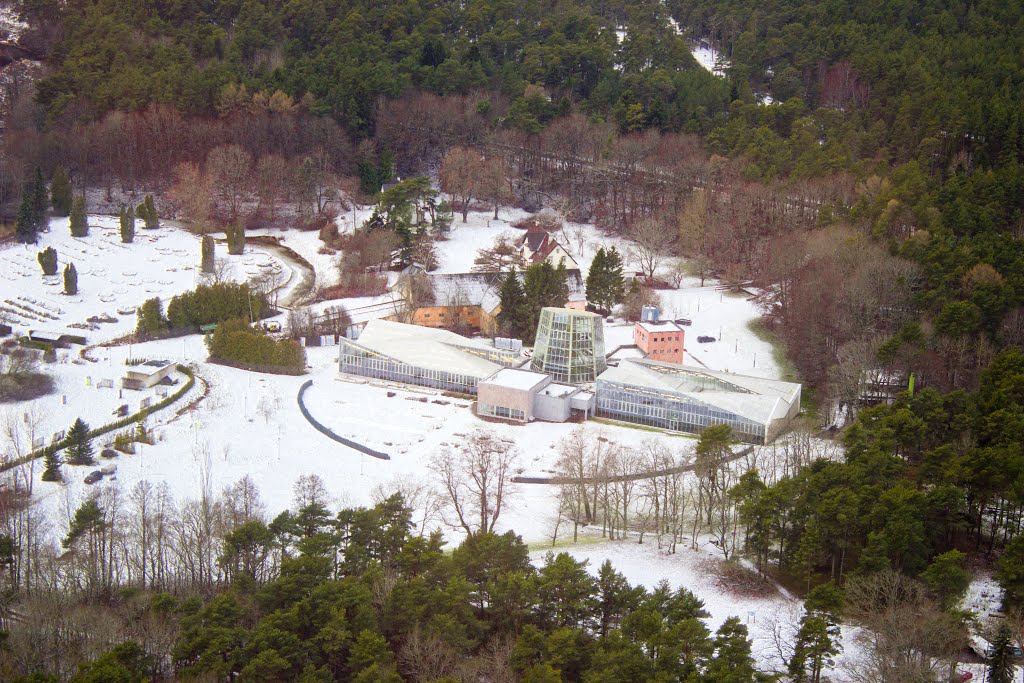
[[683, 321], [107, 470], [704, 339], [93, 477], [108, 453], [965, 676]]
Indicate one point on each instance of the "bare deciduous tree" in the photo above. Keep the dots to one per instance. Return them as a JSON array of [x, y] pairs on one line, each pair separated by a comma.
[[476, 478], [650, 242]]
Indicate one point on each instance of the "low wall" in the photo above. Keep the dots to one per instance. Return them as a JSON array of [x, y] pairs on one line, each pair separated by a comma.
[[331, 435]]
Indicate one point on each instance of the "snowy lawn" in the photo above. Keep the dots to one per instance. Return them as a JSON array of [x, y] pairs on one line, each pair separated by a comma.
[[112, 276]]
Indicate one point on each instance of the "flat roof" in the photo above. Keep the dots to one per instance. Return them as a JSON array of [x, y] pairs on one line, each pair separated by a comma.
[[426, 347], [754, 398], [663, 326], [558, 390], [516, 379]]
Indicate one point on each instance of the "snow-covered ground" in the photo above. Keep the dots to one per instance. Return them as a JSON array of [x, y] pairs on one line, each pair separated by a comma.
[[112, 276], [709, 59]]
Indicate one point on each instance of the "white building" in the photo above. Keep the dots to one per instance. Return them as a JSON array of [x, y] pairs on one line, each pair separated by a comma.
[[688, 399]]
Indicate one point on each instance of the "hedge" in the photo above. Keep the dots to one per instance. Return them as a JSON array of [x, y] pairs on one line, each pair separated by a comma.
[[113, 426]]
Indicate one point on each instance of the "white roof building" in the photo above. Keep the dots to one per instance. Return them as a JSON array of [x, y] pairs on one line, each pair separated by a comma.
[[687, 398], [426, 356]]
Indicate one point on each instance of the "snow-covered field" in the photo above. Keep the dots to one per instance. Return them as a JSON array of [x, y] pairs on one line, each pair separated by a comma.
[[112, 276]]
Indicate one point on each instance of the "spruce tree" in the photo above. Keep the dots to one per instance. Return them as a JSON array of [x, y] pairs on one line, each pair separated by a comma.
[[127, 224], [25, 223], [1000, 660], [595, 278], [79, 221], [60, 192], [40, 199], [605, 286], [207, 257], [48, 261], [79, 444], [513, 315], [52, 471], [70, 279]]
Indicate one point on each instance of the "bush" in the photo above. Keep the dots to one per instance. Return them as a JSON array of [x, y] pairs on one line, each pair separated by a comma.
[[70, 279], [79, 220], [236, 238], [48, 261], [214, 303], [151, 318], [235, 341]]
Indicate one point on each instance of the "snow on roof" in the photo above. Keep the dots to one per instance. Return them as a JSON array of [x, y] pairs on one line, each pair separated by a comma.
[[512, 378], [662, 326], [754, 398], [427, 347], [558, 390]]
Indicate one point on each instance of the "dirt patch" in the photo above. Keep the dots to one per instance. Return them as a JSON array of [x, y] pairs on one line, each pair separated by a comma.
[[735, 579]]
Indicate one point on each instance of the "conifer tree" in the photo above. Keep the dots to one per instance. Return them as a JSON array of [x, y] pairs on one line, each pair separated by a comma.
[[25, 223], [127, 224], [40, 199], [235, 234], [1000, 661], [48, 260], [79, 444], [70, 279], [60, 192], [146, 211], [207, 257], [79, 221], [605, 286], [513, 315], [52, 471]]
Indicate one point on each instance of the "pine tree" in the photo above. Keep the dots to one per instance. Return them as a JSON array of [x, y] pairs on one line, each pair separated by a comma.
[[52, 471], [79, 444], [70, 279], [48, 260], [40, 200], [544, 286], [513, 315], [60, 192], [817, 640], [25, 224], [79, 221], [127, 224], [1000, 660], [207, 258]]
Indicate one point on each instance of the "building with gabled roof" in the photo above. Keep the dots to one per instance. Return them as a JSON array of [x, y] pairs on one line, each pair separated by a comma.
[[537, 245], [472, 300], [689, 399]]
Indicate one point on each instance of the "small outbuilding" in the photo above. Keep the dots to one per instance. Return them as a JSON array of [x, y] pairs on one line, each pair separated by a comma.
[[147, 374]]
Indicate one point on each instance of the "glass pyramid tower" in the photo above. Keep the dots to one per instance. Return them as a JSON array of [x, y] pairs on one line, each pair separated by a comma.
[[569, 346]]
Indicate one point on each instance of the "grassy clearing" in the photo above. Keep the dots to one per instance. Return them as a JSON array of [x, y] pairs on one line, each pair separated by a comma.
[[565, 541], [788, 370]]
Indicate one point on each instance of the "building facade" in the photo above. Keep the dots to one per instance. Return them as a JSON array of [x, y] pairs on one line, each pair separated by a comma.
[[660, 340], [521, 396], [428, 357], [569, 345], [689, 399]]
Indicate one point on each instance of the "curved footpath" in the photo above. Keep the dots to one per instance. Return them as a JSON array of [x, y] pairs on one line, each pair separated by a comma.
[[622, 477], [331, 435]]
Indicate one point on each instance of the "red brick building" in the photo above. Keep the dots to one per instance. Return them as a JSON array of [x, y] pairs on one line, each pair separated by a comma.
[[660, 340]]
